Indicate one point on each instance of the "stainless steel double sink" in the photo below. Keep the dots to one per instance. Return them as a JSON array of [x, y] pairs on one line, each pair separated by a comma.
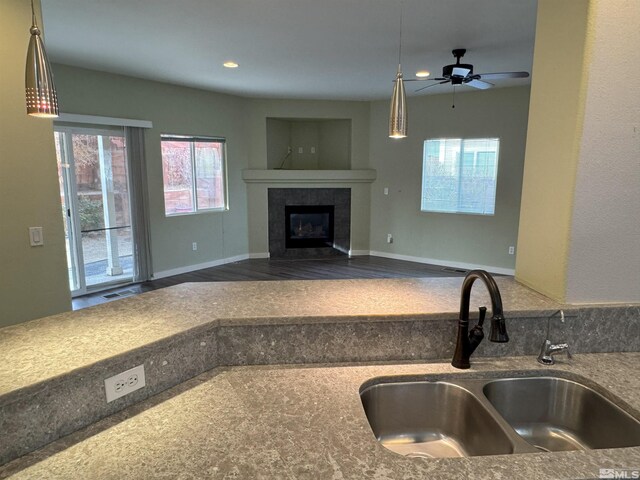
[[494, 416]]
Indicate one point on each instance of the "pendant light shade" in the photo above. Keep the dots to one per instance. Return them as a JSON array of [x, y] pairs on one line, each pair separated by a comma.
[[398, 114], [42, 100]]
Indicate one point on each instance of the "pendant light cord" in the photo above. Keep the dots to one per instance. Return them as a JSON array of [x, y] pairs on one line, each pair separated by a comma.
[[33, 15], [400, 47]]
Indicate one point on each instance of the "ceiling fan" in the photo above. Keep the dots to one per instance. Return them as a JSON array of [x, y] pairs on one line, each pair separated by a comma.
[[462, 74]]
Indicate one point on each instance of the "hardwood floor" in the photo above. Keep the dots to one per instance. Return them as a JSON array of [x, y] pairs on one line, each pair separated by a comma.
[[281, 269]]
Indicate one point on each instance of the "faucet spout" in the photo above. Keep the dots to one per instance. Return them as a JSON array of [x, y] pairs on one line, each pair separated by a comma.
[[498, 330], [466, 342]]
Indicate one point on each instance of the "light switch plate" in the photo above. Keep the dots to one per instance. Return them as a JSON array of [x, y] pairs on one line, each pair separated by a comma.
[[35, 236]]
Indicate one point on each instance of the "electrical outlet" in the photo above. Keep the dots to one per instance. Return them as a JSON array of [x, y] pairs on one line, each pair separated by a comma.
[[194, 246], [300, 150], [124, 383], [386, 190], [389, 238], [313, 149], [512, 250]]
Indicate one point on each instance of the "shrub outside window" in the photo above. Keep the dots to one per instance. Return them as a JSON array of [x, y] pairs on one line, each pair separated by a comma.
[[460, 175], [193, 173]]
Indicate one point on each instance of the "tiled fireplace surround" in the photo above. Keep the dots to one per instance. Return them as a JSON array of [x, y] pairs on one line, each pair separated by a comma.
[[278, 198]]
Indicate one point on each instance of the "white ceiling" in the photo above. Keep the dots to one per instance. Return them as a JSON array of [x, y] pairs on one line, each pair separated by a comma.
[[322, 49]]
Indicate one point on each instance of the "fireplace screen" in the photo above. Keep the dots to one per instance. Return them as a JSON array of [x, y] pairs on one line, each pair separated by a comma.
[[309, 226]]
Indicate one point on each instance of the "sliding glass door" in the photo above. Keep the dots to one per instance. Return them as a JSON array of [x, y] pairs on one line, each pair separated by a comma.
[[96, 206]]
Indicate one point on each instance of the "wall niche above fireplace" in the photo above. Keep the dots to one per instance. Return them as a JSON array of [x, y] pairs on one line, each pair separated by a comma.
[[309, 222], [308, 144]]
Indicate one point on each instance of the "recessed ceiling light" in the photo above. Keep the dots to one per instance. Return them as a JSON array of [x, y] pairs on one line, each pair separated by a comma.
[[422, 74], [230, 64]]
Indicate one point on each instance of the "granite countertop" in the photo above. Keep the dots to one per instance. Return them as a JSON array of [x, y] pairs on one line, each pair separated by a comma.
[[294, 422], [43, 349]]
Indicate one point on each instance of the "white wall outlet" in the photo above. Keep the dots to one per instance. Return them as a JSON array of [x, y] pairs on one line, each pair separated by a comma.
[[389, 238], [194, 246], [35, 236], [386, 190], [300, 150], [124, 383], [512, 250], [313, 149]]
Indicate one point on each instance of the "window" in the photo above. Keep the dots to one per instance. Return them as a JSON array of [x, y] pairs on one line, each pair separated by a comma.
[[459, 175], [193, 172]]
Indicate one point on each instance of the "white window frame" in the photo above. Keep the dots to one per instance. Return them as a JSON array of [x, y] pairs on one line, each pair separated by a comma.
[[192, 139], [457, 211]]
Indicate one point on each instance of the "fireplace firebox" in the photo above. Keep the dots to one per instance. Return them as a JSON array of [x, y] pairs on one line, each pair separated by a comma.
[[316, 236], [309, 226]]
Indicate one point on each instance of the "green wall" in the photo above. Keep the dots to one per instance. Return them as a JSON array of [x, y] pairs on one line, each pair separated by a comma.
[[279, 135], [469, 239], [335, 145], [33, 280], [179, 110], [449, 238]]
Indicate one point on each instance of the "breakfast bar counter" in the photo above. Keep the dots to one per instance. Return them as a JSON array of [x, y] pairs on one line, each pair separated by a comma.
[[307, 422]]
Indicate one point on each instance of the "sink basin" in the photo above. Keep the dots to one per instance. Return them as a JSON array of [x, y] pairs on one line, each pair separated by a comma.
[[439, 419], [555, 414], [469, 417]]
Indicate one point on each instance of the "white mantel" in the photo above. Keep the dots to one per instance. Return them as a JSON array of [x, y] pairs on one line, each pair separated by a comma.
[[309, 176]]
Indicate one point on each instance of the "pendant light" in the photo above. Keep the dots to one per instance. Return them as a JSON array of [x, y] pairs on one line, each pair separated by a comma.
[[42, 100], [398, 114]]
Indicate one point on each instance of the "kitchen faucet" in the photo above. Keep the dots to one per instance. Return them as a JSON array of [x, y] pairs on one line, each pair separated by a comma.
[[548, 349], [467, 341]]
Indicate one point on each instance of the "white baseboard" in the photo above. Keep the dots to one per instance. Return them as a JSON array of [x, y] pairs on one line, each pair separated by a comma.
[[435, 261], [200, 266], [358, 253]]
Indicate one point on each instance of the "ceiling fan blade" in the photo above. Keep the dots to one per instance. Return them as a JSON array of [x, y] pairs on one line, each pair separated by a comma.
[[479, 84], [432, 85], [422, 79], [500, 75]]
